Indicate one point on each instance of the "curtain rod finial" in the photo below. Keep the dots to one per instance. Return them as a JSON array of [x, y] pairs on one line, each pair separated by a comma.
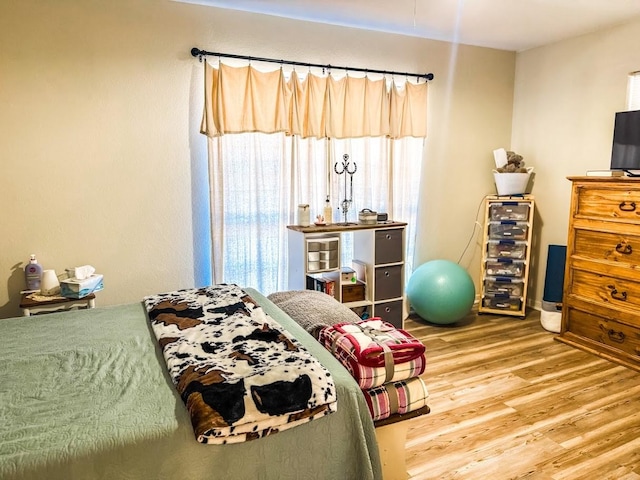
[[195, 51], [429, 76]]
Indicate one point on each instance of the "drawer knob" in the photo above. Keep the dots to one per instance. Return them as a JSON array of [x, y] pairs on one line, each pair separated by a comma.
[[615, 294], [388, 237], [624, 249], [627, 206]]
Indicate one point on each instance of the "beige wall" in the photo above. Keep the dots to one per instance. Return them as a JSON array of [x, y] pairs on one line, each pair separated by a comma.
[[566, 96], [102, 162]]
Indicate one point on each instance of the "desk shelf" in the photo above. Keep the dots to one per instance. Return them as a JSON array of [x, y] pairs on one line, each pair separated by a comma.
[[378, 261]]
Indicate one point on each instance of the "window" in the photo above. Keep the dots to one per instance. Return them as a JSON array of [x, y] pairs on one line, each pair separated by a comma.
[[258, 179], [633, 91], [261, 178]]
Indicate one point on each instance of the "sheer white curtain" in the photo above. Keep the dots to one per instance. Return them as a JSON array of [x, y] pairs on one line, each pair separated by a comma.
[[387, 180], [257, 180]]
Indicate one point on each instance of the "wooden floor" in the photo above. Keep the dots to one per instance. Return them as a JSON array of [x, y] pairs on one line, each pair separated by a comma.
[[507, 401]]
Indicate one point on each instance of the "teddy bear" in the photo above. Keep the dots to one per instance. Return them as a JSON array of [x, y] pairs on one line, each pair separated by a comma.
[[515, 164]]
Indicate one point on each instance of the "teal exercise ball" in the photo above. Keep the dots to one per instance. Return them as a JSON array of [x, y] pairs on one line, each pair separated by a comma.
[[441, 291]]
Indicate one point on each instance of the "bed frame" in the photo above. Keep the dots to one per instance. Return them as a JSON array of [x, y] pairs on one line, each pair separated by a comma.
[[86, 395]]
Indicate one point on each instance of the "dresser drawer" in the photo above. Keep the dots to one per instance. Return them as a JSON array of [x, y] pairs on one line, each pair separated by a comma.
[[612, 247], [615, 292], [604, 331], [608, 203]]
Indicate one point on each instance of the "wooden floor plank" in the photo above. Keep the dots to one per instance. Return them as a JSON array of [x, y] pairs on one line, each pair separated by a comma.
[[509, 402]]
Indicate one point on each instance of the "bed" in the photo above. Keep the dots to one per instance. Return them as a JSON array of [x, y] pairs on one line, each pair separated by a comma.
[[86, 395]]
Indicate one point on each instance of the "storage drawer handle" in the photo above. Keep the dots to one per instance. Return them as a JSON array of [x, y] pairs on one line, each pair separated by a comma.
[[624, 249], [388, 237], [387, 309], [615, 294], [614, 336], [627, 206], [386, 274]]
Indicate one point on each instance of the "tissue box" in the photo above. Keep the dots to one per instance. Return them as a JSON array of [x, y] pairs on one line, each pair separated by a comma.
[[74, 288]]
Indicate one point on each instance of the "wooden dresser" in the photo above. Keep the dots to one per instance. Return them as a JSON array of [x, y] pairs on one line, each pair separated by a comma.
[[601, 304]]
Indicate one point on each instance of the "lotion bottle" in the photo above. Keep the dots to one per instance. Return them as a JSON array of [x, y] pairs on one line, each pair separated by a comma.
[[33, 274], [328, 212]]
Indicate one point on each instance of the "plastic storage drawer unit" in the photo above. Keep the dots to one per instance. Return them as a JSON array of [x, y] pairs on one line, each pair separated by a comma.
[[506, 249], [501, 302], [506, 254], [505, 268], [509, 211], [322, 254], [508, 230], [503, 286]]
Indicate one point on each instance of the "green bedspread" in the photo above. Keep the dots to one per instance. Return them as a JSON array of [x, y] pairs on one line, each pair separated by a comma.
[[86, 395]]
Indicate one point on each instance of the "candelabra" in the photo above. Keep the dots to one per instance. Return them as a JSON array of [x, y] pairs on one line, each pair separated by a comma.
[[346, 203]]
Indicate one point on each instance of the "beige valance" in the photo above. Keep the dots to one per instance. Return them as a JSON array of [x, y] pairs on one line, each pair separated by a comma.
[[248, 100]]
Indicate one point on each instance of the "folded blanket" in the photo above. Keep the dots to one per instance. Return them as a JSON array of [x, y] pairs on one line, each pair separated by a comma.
[[370, 377], [240, 374], [396, 397], [406, 361], [373, 343], [313, 310]]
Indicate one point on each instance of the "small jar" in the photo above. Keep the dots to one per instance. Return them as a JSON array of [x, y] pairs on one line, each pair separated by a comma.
[[304, 215]]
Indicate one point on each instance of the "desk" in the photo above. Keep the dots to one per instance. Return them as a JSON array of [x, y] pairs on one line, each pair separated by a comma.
[[33, 306]]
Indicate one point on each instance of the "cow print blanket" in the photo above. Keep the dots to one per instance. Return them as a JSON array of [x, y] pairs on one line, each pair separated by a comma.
[[239, 373]]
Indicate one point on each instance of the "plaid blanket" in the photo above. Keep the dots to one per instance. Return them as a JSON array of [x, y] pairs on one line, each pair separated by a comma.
[[239, 373], [374, 352], [396, 397]]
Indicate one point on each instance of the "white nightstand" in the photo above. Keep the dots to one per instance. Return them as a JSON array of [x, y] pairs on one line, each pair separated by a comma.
[[33, 306]]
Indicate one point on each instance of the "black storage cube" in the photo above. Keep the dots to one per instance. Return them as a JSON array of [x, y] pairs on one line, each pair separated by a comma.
[[388, 282], [390, 312], [388, 246]]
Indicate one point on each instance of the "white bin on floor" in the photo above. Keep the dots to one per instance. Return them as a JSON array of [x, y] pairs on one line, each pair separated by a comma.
[[551, 316]]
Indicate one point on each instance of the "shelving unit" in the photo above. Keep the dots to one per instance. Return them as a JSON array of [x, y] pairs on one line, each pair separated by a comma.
[[506, 254], [372, 285]]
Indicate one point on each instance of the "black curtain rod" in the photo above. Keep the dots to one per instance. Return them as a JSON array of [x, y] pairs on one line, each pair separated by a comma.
[[196, 52]]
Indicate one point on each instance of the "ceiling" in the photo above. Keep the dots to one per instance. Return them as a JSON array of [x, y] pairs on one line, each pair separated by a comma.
[[514, 25]]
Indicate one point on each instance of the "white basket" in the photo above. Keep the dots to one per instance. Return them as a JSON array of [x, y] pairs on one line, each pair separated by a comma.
[[512, 183], [551, 321]]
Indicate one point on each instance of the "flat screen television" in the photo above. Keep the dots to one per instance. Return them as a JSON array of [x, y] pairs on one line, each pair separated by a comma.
[[625, 154]]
